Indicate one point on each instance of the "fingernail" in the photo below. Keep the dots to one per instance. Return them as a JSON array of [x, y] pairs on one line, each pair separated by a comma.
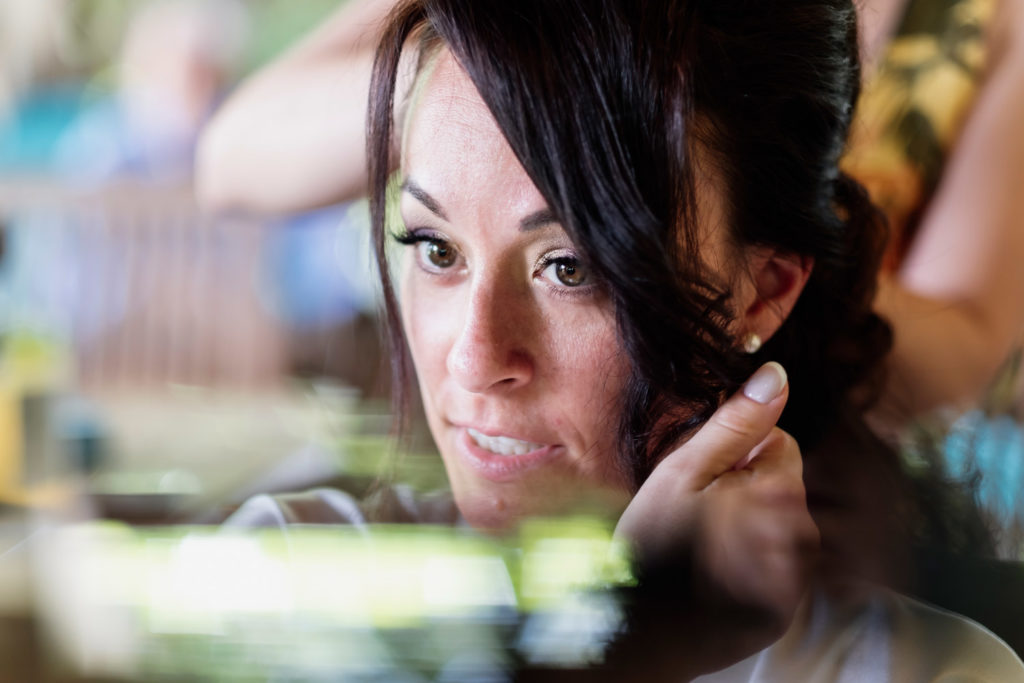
[[765, 384]]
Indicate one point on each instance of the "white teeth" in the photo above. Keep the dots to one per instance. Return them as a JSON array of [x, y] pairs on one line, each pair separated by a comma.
[[502, 445]]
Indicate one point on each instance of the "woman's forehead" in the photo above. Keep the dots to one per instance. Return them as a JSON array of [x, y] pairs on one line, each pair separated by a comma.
[[444, 100], [454, 148], [452, 145]]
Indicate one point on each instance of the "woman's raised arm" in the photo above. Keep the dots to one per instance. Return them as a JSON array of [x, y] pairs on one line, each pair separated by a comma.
[[292, 136], [957, 301]]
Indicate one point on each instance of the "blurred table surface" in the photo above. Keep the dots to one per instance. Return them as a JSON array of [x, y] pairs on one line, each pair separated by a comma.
[[203, 447], [170, 457]]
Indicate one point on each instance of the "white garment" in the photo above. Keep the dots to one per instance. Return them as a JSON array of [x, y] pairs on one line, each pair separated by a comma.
[[873, 635]]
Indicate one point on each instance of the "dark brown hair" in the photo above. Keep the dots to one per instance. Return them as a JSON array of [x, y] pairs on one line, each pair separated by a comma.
[[606, 104]]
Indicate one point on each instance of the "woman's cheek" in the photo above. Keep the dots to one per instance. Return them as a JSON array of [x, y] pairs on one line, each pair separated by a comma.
[[592, 370], [428, 318], [591, 352]]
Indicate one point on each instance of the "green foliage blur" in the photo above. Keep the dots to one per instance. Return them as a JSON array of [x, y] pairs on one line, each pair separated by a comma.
[[96, 27]]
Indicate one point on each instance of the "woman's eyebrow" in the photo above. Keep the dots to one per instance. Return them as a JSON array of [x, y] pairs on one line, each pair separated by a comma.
[[423, 197], [537, 219], [534, 221]]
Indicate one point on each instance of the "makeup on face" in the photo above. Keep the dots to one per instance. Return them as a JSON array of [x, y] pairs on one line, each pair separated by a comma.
[[515, 349]]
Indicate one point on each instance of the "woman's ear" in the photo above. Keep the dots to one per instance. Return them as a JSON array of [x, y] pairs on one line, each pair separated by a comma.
[[778, 279]]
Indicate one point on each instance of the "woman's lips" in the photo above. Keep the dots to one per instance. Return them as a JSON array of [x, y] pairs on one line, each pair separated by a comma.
[[514, 456]]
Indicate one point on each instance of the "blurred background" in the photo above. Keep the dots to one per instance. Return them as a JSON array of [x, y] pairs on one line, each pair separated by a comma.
[[136, 331], [158, 365]]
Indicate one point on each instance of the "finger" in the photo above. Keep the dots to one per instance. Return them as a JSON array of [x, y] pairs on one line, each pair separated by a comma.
[[761, 549], [736, 428], [778, 453]]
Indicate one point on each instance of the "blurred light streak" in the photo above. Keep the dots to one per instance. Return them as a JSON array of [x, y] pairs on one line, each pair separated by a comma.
[[195, 601]]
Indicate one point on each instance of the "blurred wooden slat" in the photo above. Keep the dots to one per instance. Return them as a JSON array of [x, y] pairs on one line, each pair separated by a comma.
[[175, 293]]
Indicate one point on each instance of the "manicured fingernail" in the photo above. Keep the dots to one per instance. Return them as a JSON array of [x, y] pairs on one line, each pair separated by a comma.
[[765, 384]]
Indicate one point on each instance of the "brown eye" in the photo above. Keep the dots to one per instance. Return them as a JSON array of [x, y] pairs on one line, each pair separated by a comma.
[[440, 254], [569, 272]]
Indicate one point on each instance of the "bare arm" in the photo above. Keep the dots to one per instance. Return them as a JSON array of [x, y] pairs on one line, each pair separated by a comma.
[[957, 303], [292, 136]]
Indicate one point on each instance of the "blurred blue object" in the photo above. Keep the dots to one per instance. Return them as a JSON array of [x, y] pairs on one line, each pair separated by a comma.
[[29, 135], [993, 448], [106, 143], [51, 272], [319, 270]]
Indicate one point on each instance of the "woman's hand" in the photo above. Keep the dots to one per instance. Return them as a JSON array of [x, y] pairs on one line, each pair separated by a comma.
[[732, 500]]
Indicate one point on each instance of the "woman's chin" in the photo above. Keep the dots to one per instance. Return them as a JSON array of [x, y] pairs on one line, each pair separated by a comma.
[[505, 510], [492, 512]]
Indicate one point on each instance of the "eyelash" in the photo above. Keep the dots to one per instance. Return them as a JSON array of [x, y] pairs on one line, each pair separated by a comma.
[[418, 236], [413, 238], [410, 237]]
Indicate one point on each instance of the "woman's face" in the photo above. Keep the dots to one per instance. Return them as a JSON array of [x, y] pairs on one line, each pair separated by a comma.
[[514, 345]]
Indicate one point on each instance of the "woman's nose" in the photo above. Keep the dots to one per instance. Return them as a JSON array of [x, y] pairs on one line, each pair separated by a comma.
[[491, 350]]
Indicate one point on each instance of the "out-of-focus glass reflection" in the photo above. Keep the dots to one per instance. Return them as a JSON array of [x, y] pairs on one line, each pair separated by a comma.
[[330, 602], [159, 365]]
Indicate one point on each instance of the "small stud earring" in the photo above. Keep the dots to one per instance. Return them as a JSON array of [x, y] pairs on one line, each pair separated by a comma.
[[751, 342]]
